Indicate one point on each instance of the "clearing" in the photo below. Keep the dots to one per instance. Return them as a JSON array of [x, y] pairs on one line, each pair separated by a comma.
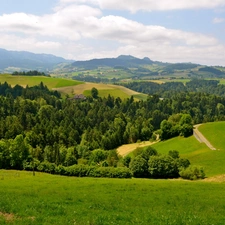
[[126, 149]]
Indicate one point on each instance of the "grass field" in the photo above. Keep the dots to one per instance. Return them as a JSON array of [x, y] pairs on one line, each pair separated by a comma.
[[48, 199], [215, 134], [198, 153], [35, 80], [103, 89]]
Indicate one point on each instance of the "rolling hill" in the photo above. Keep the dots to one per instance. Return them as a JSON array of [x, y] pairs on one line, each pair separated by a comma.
[[121, 61], [198, 153]]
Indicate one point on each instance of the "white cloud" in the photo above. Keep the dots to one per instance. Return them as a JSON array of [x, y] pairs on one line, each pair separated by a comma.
[[150, 5], [14, 42], [79, 31], [218, 20]]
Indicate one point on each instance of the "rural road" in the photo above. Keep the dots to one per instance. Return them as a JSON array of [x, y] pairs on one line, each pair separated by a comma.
[[200, 137]]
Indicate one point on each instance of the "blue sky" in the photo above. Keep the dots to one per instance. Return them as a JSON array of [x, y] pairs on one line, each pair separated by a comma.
[[163, 30]]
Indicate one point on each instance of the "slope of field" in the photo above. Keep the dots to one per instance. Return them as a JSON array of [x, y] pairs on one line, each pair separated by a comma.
[[214, 132], [198, 153], [104, 90], [35, 80], [48, 199]]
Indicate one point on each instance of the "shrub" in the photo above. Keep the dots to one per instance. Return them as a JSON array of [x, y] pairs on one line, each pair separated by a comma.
[[148, 152], [60, 170], [139, 167], [163, 166], [46, 167], [126, 161], [192, 173]]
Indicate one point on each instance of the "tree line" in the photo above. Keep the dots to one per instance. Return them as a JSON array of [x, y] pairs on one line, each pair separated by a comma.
[[195, 85], [30, 73]]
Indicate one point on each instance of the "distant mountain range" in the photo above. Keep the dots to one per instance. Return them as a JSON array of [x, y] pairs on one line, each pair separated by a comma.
[[22, 60], [121, 61], [11, 61]]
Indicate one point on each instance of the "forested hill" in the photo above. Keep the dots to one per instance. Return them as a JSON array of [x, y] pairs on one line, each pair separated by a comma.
[[121, 61], [36, 121], [28, 61]]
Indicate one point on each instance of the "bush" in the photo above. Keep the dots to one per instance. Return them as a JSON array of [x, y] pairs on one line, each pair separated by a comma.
[[92, 171], [148, 152], [192, 173], [126, 160], [163, 166], [46, 167], [139, 167], [111, 172], [60, 170]]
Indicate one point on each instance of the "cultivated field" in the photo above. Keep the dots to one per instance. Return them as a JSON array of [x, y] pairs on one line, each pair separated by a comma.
[[49, 199]]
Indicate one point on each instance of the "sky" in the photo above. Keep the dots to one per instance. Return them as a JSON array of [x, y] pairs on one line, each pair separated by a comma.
[[163, 30]]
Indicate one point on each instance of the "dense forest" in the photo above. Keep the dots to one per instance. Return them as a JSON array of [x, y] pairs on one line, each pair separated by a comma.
[[166, 89], [38, 125]]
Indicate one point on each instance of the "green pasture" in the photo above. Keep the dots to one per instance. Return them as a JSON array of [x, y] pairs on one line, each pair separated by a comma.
[[35, 80], [215, 133], [198, 153], [49, 199]]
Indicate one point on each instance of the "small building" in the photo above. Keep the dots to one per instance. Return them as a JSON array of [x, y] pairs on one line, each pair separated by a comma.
[[78, 97]]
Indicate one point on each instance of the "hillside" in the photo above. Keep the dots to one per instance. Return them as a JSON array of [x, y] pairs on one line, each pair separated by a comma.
[[198, 153], [103, 89], [35, 80], [121, 61], [22, 60]]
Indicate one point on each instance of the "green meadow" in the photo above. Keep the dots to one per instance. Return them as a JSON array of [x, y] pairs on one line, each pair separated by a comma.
[[215, 134], [49, 199], [198, 153], [35, 80]]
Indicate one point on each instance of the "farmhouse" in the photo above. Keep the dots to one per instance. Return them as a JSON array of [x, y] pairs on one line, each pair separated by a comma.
[[78, 97]]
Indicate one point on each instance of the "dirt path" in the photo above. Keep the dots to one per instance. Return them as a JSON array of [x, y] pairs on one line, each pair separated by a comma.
[[126, 149], [201, 138]]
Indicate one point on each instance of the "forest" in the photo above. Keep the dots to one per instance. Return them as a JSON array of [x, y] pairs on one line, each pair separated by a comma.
[[39, 128]]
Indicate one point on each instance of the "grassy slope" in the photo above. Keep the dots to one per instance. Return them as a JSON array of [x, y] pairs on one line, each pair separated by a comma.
[[31, 81], [103, 89], [47, 199], [215, 134], [198, 153]]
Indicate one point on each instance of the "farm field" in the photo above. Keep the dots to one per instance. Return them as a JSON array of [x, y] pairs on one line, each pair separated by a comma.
[[35, 80], [57, 200], [103, 89]]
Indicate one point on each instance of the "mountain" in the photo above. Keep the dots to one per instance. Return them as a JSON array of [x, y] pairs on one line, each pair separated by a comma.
[[121, 61], [22, 60]]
